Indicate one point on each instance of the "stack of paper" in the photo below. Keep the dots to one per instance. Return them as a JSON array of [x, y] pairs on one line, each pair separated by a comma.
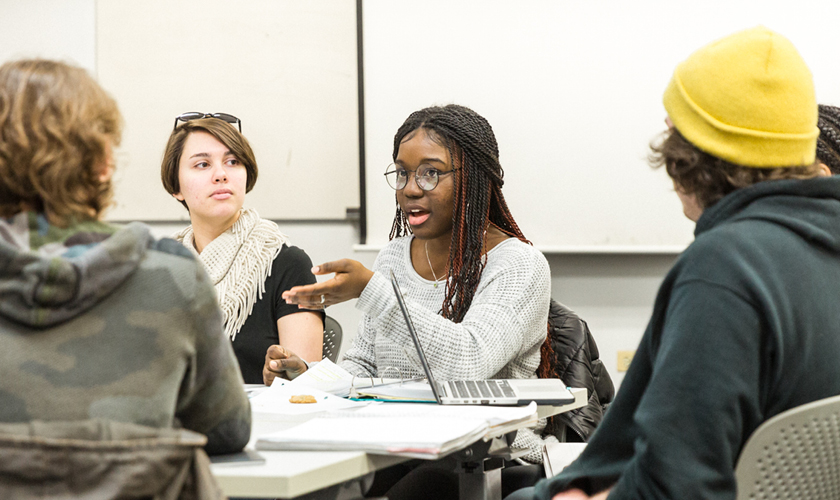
[[410, 437], [500, 419], [419, 431]]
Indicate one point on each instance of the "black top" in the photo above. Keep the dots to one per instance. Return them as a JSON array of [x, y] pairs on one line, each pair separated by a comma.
[[290, 268]]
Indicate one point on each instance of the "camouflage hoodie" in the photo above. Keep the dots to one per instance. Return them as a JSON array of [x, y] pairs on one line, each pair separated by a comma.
[[102, 322]]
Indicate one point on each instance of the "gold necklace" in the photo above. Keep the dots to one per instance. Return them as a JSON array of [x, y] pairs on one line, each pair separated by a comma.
[[426, 246]]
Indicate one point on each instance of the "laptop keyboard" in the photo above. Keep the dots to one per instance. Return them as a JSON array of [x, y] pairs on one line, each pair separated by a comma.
[[477, 389]]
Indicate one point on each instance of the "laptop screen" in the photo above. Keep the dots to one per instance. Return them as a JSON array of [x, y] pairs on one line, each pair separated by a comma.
[[414, 338]]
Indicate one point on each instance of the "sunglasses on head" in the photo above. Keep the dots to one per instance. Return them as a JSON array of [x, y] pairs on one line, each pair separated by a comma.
[[195, 115]]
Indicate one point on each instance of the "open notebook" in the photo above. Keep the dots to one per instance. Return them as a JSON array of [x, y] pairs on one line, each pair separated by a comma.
[[515, 392]]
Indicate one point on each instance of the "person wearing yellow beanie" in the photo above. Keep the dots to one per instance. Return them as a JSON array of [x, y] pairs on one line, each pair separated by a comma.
[[747, 99], [744, 325], [741, 110]]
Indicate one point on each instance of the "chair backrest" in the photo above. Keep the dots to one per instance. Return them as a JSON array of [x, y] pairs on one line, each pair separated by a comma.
[[795, 454], [95, 459], [570, 353], [332, 339]]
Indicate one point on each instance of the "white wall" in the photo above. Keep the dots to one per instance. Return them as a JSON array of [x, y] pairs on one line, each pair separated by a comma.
[[573, 90], [59, 29]]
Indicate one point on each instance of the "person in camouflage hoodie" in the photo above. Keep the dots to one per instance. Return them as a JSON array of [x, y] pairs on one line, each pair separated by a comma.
[[97, 321]]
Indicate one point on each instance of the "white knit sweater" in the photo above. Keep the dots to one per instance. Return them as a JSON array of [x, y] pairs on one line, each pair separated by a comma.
[[500, 336]]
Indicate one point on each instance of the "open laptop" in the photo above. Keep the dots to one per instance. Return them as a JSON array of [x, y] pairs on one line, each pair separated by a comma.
[[509, 392]]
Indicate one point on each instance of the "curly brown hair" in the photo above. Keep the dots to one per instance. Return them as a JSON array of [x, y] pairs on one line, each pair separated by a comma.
[[57, 128], [224, 133], [708, 177]]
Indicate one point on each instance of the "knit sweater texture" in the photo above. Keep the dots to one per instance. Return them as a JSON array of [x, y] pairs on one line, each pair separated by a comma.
[[499, 337], [744, 327]]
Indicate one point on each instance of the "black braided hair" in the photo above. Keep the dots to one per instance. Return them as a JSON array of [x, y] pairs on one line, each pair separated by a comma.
[[478, 197], [828, 143]]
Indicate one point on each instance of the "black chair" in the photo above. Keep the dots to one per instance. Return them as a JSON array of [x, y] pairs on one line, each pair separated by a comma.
[[332, 339], [576, 362]]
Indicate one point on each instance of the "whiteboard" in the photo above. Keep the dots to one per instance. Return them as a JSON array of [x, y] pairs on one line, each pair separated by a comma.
[[287, 69], [573, 91], [63, 30]]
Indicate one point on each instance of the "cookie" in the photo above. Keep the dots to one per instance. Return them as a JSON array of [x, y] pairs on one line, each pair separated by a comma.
[[302, 399]]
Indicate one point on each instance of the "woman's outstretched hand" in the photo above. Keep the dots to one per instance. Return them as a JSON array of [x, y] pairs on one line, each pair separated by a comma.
[[351, 277], [283, 363]]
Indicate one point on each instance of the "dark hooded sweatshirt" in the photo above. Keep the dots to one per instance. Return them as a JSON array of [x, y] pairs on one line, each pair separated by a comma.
[[745, 326], [98, 322]]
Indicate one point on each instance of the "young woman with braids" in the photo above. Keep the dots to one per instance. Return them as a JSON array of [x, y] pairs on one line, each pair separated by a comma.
[[477, 291], [828, 142]]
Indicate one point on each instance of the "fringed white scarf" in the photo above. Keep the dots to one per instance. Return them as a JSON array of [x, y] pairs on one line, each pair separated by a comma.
[[238, 262]]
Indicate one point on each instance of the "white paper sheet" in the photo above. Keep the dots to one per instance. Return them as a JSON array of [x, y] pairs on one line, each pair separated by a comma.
[[275, 400], [557, 456], [325, 376]]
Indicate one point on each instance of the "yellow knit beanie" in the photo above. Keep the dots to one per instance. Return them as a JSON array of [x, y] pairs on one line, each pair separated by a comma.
[[747, 99]]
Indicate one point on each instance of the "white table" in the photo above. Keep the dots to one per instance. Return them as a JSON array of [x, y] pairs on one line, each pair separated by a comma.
[[288, 474]]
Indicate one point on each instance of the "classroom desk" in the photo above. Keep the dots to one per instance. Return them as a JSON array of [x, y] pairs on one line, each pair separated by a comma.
[[289, 474]]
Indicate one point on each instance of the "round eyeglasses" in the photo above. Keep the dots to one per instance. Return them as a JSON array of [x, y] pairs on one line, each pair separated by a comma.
[[426, 176], [196, 115]]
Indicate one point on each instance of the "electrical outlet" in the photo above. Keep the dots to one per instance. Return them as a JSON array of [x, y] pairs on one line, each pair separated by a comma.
[[624, 359]]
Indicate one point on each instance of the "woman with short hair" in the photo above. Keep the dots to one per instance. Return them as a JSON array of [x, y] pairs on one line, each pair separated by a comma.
[[209, 166]]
